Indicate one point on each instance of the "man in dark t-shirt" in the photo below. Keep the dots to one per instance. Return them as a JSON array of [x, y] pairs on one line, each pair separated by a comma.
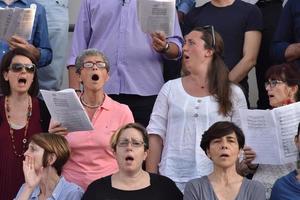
[[240, 25]]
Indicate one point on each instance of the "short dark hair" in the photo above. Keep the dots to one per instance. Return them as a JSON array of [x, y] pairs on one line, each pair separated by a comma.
[[115, 138], [56, 144], [287, 72], [6, 62], [221, 129]]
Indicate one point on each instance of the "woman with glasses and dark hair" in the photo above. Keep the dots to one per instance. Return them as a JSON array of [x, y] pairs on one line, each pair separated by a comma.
[[21, 116], [130, 148], [44, 160], [283, 88], [91, 156], [187, 106], [223, 144], [288, 186]]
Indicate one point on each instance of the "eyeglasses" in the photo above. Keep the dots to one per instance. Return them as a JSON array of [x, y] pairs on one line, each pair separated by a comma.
[[99, 64], [273, 83], [134, 143], [18, 67], [211, 30]]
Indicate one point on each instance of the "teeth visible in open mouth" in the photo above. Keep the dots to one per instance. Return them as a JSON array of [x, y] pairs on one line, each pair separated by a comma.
[[22, 80], [95, 77]]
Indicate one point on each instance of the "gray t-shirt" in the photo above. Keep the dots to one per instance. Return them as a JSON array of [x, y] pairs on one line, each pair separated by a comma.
[[201, 189]]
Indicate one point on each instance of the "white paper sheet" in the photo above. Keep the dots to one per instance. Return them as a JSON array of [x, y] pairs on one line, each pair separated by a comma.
[[271, 133], [156, 15], [17, 21], [65, 107]]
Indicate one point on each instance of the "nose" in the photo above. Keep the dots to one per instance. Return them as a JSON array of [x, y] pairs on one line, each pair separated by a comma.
[[224, 145], [184, 48], [26, 153]]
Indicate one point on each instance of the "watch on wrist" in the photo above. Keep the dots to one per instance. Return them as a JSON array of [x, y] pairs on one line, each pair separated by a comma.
[[166, 48]]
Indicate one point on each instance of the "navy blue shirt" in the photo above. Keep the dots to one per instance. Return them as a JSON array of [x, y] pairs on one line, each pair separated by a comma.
[[39, 37], [287, 187], [288, 30]]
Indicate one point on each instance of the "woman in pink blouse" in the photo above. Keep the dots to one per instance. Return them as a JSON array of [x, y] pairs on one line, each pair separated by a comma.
[[91, 156]]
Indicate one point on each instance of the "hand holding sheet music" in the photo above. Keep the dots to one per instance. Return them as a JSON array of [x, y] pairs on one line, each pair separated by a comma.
[[65, 107], [270, 133]]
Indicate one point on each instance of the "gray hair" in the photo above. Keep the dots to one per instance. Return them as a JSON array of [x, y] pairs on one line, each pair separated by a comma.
[[86, 53]]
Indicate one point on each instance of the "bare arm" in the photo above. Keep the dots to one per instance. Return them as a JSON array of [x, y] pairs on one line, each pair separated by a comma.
[[73, 77], [292, 52], [250, 51], [154, 156]]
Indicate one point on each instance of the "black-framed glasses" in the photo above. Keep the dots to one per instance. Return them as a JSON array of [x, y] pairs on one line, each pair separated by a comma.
[[211, 30], [18, 67], [133, 142], [99, 64], [273, 83]]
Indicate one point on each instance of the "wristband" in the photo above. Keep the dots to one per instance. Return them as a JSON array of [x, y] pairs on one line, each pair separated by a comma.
[[166, 48]]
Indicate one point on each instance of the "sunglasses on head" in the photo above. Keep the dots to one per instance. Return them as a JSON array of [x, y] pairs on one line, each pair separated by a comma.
[[211, 30], [18, 67]]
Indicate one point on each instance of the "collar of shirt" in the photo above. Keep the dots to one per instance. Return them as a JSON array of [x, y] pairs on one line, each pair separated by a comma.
[[107, 103], [23, 1], [56, 192]]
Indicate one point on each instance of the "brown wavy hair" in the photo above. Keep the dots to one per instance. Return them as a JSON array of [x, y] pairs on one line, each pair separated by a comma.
[[218, 81]]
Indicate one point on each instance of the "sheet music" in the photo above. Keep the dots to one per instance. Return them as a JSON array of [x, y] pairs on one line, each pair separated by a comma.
[[156, 15], [17, 21], [271, 133], [65, 107], [288, 118]]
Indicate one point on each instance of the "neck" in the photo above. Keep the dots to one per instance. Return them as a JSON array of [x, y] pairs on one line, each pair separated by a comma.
[[225, 175], [130, 177], [18, 97], [92, 99], [49, 181], [200, 80], [8, 2], [222, 3]]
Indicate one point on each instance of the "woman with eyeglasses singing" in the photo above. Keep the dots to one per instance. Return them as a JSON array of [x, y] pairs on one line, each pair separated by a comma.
[[21, 116], [91, 156], [187, 106], [130, 148], [283, 88]]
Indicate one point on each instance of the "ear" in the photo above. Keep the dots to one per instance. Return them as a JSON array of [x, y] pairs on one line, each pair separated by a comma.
[[5, 75], [79, 77], [51, 159], [208, 154], [114, 153], [293, 91], [209, 52], [145, 154]]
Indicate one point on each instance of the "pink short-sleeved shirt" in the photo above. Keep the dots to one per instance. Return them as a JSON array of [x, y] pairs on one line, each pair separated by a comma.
[[91, 155]]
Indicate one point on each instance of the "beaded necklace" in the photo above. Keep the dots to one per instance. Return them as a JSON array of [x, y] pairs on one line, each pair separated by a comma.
[[90, 106], [11, 131]]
